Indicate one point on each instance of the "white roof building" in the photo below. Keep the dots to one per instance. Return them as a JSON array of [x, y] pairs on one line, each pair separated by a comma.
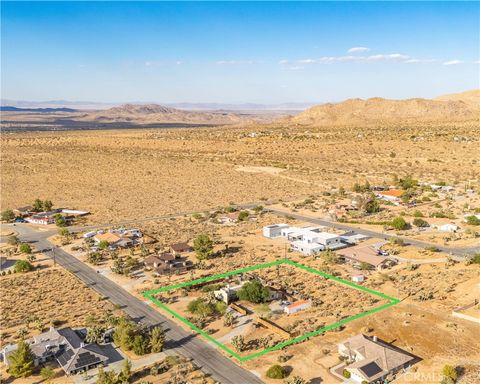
[[307, 248]]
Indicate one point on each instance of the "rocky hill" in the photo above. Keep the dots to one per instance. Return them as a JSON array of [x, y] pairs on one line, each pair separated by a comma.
[[469, 97], [380, 111], [154, 113]]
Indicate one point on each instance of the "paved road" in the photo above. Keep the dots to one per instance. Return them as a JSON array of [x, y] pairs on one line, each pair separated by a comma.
[[179, 341], [455, 251]]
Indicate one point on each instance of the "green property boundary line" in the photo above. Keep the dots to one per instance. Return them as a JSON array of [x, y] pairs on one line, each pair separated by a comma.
[[149, 295]]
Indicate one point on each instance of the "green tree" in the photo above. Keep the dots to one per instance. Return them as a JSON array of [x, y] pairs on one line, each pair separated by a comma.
[[124, 334], [399, 223], [254, 292], [22, 266], [126, 374], [276, 372], [103, 244], [25, 248], [47, 205], [157, 339], [372, 206], [21, 361], [140, 345], [38, 205], [203, 246], [47, 374], [8, 215], [60, 220], [106, 377]]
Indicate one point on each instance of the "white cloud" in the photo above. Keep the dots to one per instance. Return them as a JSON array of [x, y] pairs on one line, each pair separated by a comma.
[[453, 62], [361, 59], [476, 62], [358, 50], [296, 68], [235, 62], [392, 57]]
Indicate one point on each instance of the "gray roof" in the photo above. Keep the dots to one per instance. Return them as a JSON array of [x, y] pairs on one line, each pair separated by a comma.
[[379, 358]]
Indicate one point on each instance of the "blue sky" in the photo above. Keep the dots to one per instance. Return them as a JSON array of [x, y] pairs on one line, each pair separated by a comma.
[[262, 52]]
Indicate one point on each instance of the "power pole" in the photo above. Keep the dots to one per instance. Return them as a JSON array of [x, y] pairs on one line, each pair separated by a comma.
[[54, 259]]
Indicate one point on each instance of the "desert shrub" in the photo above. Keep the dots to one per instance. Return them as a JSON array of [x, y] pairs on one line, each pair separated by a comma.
[[172, 360], [418, 222], [220, 307], [346, 373], [397, 241], [47, 373], [103, 244], [296, 380], [399, 223], [473, 220], [211, 288], [22, 266], [449, 372], [474, 259], [276, 372], [243, 215], [25, 248], [12, 240], [8, 215]]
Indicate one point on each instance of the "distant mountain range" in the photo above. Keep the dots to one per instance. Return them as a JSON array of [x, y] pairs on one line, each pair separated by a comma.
[[89, 105], [460, 107], [8, 108]]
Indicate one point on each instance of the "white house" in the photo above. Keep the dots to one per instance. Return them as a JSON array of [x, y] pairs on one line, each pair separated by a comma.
[[41, 218], [448, 228], [328, 240], [274, 230], [306, 248], [228, 293], [297, 306]]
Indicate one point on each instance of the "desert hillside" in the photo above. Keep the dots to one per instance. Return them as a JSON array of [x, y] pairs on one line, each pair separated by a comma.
[[154, 113], [469, 97], [446, 109]]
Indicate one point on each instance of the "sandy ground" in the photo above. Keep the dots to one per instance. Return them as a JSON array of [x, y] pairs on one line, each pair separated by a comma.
[[137, 173]]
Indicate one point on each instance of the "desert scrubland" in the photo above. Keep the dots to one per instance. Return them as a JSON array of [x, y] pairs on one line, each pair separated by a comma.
[[136, 173]]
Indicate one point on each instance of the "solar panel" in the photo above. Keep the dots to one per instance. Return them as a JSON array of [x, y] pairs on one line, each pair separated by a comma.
[[86, 358], [65, 356], [371, 369]]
